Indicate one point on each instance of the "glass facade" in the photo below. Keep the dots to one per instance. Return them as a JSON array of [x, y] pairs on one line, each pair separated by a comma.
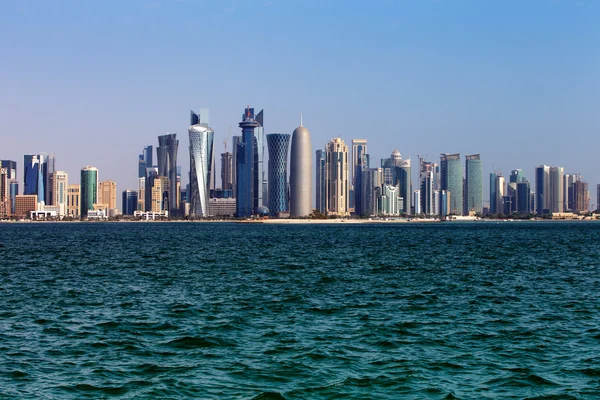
[[89, 190], [523, 199], [167, 166], [320, 181], [129, 202], [474, 182], [201, 157], [278, 145], [250, 179], [451, 180]]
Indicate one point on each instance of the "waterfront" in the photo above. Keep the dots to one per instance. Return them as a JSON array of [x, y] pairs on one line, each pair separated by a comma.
[[467, 310]]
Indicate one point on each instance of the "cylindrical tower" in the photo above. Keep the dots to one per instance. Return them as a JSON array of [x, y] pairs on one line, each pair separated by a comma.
[[201, 155], [300, 173], [278, 144], [89, 189]]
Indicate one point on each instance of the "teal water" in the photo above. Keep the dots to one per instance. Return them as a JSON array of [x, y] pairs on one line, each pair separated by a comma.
[[440, 311]]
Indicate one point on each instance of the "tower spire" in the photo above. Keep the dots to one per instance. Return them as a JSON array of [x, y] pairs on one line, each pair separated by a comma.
[[300, 119]]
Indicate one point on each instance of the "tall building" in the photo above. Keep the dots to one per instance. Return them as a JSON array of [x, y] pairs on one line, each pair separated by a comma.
[[160, 194], [201, 156], [11, 168], [371, 181], [144, 162], [337, 177], [397, 172], [390, 200], [580, 196], [300, 173], [235, 141], [166, 152], [542, 189], [151, 175], [25, 203], [73, 201], [250, 178], [60, 191], [36, 176], [320, 200], [5, 207], [89, 190], [107, 194], [516, 176], [474, 185], [427, 199], [129, 201], [227, 171], [359, 161], [523, 198], [556, 189], [568, 191], [598, 196], [451, 180], [278, 145]]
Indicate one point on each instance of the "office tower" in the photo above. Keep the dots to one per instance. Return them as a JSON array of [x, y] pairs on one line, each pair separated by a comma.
[[542, 189], [73, 201], [523, 198], [371, 181], [568, 191], [497, 192], [160, 194], [250, 182], [278, 145], [89, 190], [451, 180], [493, 193], [11, 168], [151, 175], [390, 200], [129, 201], [36, 172], [320, 181], [397, 172], [107, 194], [556, 189], [427, 200], [336, 175], [166, 152], [580, 196], [60, 182], [598, 196], [14, 191], [359, 151], [144, 162], [227, 171], [5, 208], [201, 156], [301, 172], [474, 185], [442, 202]]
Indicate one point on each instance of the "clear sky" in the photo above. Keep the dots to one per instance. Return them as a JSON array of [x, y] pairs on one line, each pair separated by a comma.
[[95, 81]]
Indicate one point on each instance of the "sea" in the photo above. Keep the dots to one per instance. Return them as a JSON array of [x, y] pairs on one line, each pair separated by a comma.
[[267, 311]]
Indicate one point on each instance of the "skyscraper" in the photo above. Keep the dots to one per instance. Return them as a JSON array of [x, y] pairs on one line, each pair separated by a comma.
[[129, 201], [523, 199], [337, 177], [11, 168], [320, 164], [542, 189], [474, 184], [74, 201], [278, 145], [107, 194], [556, 189], [227, 171], [144, 162], [426, 193], [580, 196], [451, 180], [359, 161], [300, 173], [397, 172], [371, 181], [516, 176], [166, 152], [5, 209], [89, 190], [36, 172], [201, 156], [60, 191]]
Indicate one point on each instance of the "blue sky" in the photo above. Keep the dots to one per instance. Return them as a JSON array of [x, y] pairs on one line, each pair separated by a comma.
[[95, 81]]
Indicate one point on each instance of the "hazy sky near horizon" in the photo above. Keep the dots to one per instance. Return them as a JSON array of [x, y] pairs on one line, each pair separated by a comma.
[[95, 81]]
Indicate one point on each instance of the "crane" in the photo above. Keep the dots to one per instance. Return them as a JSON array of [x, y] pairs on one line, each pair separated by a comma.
[[226, 139]]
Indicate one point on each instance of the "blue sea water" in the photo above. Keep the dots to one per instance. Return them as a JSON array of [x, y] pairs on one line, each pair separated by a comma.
[[260, 311]]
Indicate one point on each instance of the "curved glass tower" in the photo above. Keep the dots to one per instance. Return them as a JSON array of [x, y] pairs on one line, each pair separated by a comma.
[[201, 156], [89, 190], [300, 173], [278, 145]]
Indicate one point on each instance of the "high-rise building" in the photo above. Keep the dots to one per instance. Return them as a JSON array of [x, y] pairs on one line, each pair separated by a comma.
[[129, 201], [359, 161], [89, 190], [580, 196], [337, 177], [11, 168], [417, 202], [320, 163], [5, 207], [144, 162], [160, 194], [36, 176], [516, 176], [250, 178], [278, 145], [370, 190], [523, 198], [556, 189], [497, 192], [300, 173], [201, 156], [227, 171], [107, 194], [151, 175], [235, 140], [73, 201], [542, 189], [427, 199], [25, 204], [397, 172], [60, 191], [14, 191], [166, 152], [474, 185], [390, 200], [451, 180], [568, 191], [598, 196]]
